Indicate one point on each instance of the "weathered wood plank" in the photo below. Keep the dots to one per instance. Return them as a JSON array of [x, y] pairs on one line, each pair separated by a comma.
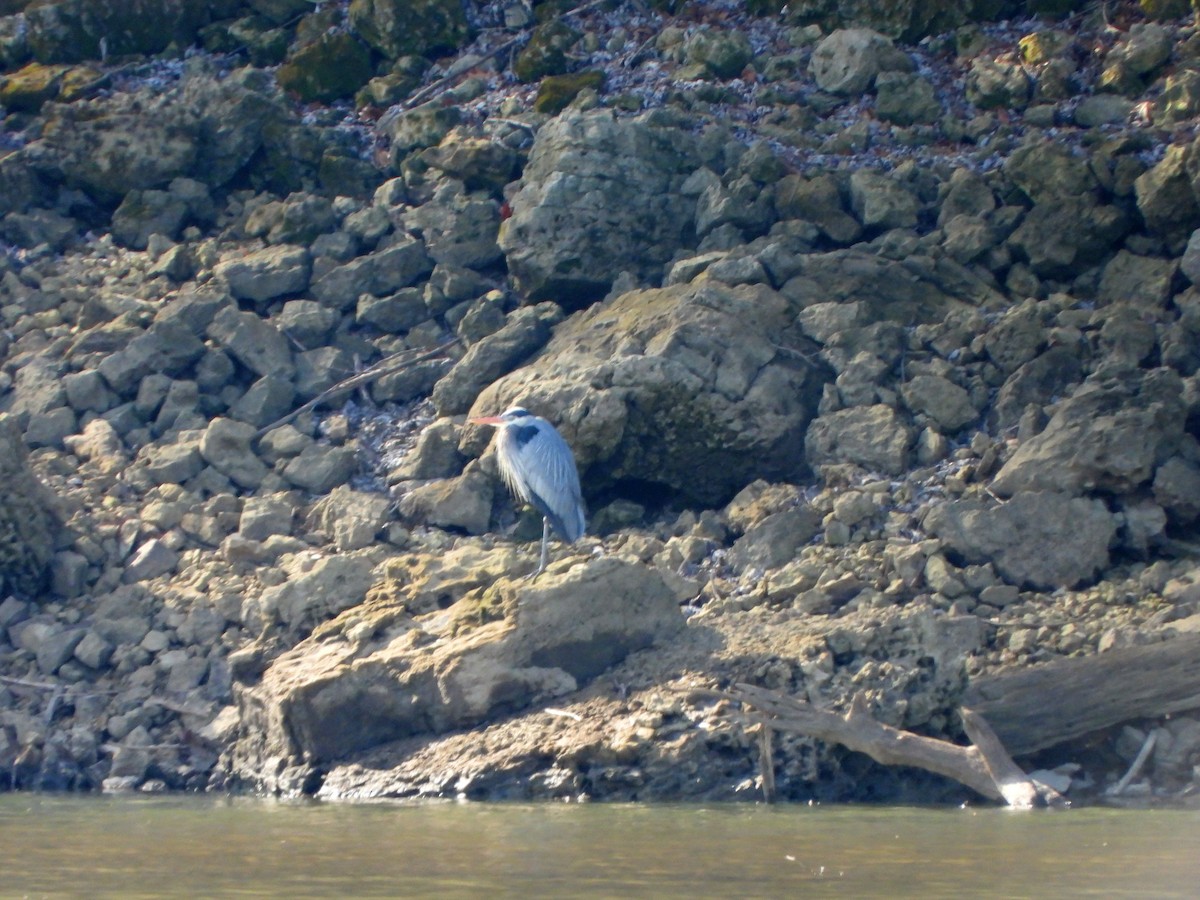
[[1043, 705]]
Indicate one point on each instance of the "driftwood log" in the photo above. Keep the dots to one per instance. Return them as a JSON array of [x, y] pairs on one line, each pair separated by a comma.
[[1020, 711], [1043, 705], [984, 767]]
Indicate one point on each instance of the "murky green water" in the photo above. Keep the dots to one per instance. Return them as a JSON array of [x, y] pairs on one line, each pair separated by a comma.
[[155, 847]]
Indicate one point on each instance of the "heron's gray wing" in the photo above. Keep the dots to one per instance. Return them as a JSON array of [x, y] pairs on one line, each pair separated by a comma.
[[543, 470]]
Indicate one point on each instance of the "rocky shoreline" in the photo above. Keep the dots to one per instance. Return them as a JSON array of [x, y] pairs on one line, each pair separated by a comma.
[[876, 341]]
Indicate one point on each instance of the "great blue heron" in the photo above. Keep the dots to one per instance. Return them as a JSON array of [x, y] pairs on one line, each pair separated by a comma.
[[538, 467]]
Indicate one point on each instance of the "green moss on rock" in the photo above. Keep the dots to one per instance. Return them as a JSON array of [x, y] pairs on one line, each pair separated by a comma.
[[399, 27], [334, 66], [557, 91], [546, 52]]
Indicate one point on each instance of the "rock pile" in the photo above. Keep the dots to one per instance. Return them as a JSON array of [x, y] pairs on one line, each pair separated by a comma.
[[877, 348]]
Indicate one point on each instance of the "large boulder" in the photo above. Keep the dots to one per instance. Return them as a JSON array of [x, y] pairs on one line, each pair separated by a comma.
[[418, 27], [378, 674], [75, 30], [599, 196], [1110, 435], [202, 128], [1042, 540], [691, 388]]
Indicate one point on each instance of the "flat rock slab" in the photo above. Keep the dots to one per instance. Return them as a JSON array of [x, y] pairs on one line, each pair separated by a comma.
[[339, 693]]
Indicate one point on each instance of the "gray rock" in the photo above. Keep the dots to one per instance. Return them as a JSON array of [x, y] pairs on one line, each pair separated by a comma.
[[1177, 489], [435, 454], [317, 587], [1165, 197], [226, 446], [847, 61], [882, 202], [1047, 171], [600, 195], [873, 437], [1110, 435], [94, 651], [1058, 236], [151, 560], [459, 229], [1190, 263], [905, 98], [776, 539], [56, 647], [350, 519], [722, 52], [87, 392], [998, 84], [306, 322], [943, 401], [464, 502], [144, 213], [267, 400], [37, 388], [660, 386], [202, 126], [319, 468], [252, 341], [1141, 281], [68, 574], [1103, 109], [265, 274], [525, 332], [380, 273], [395, 314], [1043, 540], [48, 429], [166, 348], [263, 516], [172, 463], [817, 200]]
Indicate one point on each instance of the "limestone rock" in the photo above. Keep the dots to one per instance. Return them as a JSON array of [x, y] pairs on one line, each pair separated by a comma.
[[254, 342], [319, 468], [943, 401], [525, 332], [873, 437], [336, 695], [683, 387], [463, 502], [776, 539], [599, 196], [882, 202], [459, 229], [226, 446], [419, 27], [1109, 435], [268, 273], [350, 518], [847, 61], [203, 128], [1043, 540]]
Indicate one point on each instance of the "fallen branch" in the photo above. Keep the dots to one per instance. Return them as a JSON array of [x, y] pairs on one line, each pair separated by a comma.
[[384, 367], [986, 767]]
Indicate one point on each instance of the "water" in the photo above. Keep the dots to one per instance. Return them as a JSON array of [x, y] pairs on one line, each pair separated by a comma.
[[54, 846]]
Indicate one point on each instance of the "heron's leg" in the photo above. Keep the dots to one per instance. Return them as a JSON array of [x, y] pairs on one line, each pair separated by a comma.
[[545, 545]]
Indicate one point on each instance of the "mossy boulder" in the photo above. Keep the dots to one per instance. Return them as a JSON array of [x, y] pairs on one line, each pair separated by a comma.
[[334, 66], [399, 27], [28, 89], [556, 92], [546, 52], [76, 30]]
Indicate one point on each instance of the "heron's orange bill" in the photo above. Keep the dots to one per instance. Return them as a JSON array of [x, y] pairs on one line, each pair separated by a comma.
[[485, 420]]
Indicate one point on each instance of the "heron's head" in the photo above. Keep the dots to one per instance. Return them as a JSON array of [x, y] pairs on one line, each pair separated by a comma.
[[514, 415]]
